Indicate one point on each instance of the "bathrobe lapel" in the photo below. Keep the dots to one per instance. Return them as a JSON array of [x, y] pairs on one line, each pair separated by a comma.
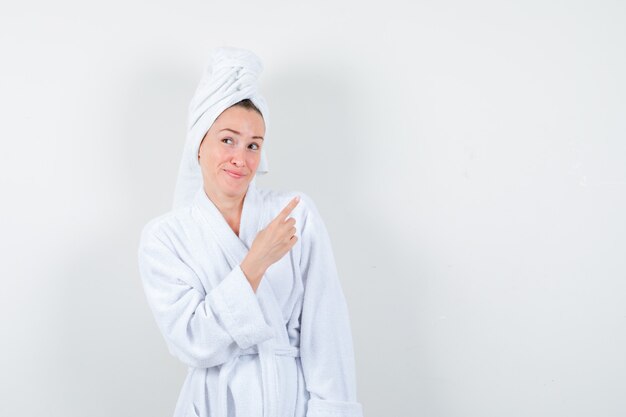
[[236, 248], [253, 219]]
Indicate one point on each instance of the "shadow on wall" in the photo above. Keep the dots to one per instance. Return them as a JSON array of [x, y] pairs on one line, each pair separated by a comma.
[[325, 141]]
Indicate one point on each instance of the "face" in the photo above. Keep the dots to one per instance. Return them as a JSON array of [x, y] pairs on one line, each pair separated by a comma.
[[230, 152]]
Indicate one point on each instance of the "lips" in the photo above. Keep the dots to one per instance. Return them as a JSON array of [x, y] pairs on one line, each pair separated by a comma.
[[234, 174]]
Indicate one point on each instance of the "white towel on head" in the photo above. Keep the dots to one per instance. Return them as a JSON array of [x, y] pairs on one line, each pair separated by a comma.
[[231, 75]]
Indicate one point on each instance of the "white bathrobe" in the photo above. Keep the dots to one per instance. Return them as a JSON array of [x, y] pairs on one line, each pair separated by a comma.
[[284, 351]]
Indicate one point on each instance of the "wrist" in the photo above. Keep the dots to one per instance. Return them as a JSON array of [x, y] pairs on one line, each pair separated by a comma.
[[253, 269]]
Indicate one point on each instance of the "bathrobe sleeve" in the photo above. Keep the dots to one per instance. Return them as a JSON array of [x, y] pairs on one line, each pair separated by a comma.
[[326, 348], [200, 330]]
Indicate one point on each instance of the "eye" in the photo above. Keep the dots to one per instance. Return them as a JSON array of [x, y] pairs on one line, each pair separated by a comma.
[[227, 139], [254, 144]]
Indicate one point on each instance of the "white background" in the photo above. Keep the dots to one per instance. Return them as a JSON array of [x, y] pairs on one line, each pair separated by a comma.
[[468, 158]]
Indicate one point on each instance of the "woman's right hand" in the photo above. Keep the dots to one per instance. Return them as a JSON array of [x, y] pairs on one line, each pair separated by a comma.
[[270, 245]]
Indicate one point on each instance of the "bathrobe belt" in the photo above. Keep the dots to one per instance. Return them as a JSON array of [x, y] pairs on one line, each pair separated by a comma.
[[269, 375]]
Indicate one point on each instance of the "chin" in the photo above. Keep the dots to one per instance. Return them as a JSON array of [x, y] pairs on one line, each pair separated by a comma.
[[236, 189]]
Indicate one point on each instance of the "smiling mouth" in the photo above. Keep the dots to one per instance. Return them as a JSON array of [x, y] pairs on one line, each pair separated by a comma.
[[232, 174]]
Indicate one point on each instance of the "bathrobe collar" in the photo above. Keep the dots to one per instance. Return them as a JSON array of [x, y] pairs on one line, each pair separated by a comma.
[[251, 215]]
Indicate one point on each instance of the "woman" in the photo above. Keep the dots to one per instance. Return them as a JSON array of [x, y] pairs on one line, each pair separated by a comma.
[[245, 295]]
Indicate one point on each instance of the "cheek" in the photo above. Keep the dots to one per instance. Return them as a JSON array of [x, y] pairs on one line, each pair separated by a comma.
[[216, 156], [254, 161], [212, 158]]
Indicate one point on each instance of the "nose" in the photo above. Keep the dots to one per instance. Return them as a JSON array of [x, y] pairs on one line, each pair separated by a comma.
[[238, 158]]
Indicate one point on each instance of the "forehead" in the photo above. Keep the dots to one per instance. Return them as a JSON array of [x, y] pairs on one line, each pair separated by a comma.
[[239, 116]]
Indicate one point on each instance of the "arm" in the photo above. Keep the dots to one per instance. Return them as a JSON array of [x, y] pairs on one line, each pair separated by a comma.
[[202, 331], [326, 348]]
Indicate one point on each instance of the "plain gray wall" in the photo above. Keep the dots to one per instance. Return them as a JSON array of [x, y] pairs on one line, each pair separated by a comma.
[[468, 158]]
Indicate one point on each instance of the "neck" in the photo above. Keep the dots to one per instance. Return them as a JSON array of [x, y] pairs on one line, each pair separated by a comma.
[[228, 205]]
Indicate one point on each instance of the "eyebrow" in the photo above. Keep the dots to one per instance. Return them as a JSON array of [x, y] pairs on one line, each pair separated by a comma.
[[237, 133]]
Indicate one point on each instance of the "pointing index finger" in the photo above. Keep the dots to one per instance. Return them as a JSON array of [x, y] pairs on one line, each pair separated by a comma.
[[282, 216]]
